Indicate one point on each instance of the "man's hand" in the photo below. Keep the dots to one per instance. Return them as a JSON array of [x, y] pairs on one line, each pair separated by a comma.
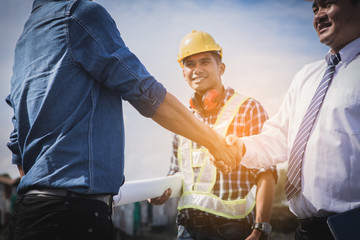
[[233, 140], [256, 235], [161, 199], [228, 155]]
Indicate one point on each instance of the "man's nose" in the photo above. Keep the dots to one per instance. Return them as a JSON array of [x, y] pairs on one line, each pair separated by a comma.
[[320, 16], [198, 69]]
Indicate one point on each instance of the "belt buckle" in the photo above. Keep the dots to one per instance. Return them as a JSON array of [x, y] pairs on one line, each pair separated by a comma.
[[108, 200]]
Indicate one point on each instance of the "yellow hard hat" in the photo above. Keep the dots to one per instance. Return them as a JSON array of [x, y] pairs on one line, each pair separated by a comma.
[[197, 42]]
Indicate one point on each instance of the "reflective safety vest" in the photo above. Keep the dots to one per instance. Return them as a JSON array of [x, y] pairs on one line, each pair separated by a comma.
[[195, 162]]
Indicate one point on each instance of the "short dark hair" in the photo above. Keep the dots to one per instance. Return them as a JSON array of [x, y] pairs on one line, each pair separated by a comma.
[[354, 1], [216, 56]]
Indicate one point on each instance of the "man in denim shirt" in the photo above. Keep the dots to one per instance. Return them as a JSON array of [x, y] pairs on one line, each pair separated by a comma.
[[70, 74]]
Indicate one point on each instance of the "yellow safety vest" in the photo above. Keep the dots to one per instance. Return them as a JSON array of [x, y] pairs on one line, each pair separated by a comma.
[[197, 193]]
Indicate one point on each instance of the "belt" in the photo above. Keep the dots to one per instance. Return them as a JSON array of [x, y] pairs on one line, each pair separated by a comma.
[[312, 223], [106, 198]]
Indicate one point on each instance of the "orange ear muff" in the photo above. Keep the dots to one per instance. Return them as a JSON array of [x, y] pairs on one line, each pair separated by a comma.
[[206, 102], [211, 100]]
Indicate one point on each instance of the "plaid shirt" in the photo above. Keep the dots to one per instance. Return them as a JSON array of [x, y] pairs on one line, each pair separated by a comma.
[[248, 121]]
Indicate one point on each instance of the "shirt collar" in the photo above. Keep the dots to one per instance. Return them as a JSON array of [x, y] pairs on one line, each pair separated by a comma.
[[39, 3], [347, 53]]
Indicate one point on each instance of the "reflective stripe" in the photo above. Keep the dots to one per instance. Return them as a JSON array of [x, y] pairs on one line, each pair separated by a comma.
[[228, 113], [232, 209], [197, 193]]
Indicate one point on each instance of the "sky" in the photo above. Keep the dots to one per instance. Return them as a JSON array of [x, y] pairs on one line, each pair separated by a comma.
[[265, 42]]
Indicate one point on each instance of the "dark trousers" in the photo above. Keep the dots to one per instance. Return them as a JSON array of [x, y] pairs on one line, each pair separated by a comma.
[[313, 229], [52, 217]]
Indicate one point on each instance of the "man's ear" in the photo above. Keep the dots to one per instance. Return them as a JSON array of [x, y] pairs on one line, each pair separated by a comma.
[[222, 68]]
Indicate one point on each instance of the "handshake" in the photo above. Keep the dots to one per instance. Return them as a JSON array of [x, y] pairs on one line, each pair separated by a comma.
[[228, 154]]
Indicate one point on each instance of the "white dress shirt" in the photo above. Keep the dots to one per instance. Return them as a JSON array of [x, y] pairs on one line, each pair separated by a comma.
[[331, 167]]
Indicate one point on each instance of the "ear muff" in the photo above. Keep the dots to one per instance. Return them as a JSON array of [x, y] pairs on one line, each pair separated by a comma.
[[206, 102]]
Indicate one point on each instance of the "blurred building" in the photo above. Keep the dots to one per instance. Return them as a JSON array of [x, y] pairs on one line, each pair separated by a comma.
[[135, 218]]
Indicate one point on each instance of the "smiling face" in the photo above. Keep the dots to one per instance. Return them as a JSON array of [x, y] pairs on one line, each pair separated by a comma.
[[203, 71], [336, 22]]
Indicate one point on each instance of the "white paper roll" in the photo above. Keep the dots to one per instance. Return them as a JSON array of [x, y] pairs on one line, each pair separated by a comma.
[[140, 190]]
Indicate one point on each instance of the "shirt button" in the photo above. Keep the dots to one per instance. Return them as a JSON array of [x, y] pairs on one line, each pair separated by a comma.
[[96, 214]]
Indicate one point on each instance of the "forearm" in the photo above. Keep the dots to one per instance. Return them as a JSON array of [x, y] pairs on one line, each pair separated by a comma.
[[174, 116], [265, 197], [270, 147]]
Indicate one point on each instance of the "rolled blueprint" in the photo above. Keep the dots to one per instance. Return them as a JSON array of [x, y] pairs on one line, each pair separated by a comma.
[[140, 190]]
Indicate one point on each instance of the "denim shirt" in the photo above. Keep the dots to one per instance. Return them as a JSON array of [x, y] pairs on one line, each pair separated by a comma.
[[70, 74]]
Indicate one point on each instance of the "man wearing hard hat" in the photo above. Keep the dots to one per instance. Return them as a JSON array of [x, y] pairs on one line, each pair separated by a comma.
[[214, 205]]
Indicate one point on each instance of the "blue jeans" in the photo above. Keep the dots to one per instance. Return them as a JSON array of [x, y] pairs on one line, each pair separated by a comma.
[[229, 231], [52, 217]]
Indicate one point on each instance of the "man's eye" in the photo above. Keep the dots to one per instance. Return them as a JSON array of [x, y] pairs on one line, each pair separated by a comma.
[[329, 3]]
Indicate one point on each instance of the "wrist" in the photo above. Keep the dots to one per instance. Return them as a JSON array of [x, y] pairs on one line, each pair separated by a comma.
[[264, 227], [213, 142]]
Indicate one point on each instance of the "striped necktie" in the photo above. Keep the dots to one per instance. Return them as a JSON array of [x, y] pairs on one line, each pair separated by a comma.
[[293, 181]]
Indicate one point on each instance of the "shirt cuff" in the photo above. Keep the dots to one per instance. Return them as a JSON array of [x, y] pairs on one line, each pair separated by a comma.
[[16, 159], [249, 158]]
